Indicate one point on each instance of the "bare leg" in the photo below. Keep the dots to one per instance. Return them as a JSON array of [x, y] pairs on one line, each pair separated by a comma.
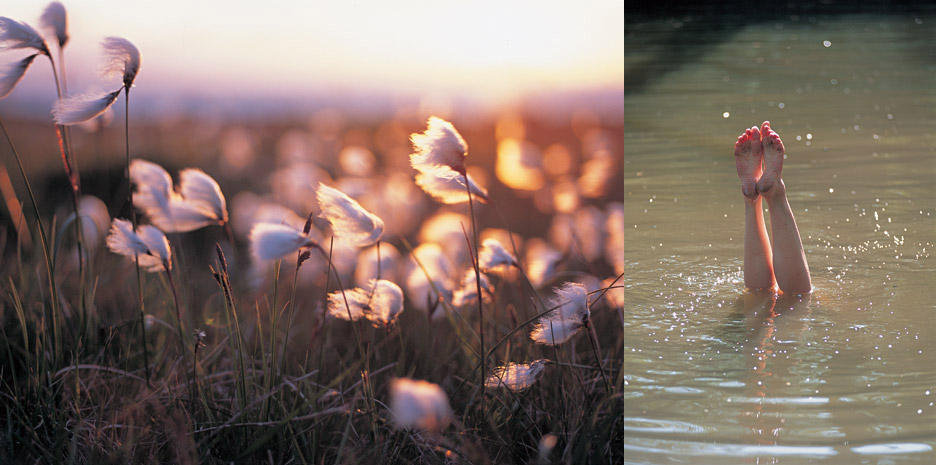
[[758, 264], [758, 268], [789, 260]]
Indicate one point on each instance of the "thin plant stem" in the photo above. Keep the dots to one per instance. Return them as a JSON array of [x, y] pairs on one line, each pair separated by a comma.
[[178, 311], [592, 340], [50, 265], [133, 219], [273, 312], [331, 245], [289, 314], [71, 170], [194, 382], [231, 314], [477, 270]]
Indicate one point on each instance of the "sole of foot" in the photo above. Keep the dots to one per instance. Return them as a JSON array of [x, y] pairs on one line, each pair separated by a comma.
[[749, 153], [773, 161]]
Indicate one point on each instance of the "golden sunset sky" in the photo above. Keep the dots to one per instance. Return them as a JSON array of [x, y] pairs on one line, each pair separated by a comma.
[[492, 50]]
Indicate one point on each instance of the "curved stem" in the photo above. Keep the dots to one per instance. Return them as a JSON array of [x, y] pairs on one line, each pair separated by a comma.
[[292, 306], [178, 311], [477, 270], [133, 219], [72, 172], [50, 265]]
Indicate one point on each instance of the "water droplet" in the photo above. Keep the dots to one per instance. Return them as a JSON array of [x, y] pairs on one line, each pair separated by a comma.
[[826, 43], [809, 136], [781, 105], [726, 115], [831, 190]]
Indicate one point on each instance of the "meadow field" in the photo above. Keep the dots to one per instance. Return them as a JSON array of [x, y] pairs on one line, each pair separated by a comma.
[[304, 287]]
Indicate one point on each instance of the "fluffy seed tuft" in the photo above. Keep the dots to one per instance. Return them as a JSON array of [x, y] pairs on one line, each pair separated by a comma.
[[54, 19], [517, 376], [81, 108], [274, 241], [13, 74], [15, 34], [419, 404], [440, 145], [147, 243], [121, 58], [350, 222]]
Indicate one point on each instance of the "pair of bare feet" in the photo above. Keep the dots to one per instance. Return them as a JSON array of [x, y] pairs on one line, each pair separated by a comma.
[[756, 146], [759, 156]]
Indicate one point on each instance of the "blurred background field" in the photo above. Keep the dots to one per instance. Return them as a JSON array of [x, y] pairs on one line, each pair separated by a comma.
[[270, 101]]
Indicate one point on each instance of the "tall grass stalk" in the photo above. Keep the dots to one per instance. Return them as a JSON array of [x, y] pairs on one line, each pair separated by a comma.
[[289, 313], [236, 337], [178, 311], [133, 219], [71, 170], [271, 371], [322, 333], [50, 265], [477, 270]]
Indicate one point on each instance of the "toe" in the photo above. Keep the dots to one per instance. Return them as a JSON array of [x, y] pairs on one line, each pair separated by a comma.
[[765, 127], [755, 133]]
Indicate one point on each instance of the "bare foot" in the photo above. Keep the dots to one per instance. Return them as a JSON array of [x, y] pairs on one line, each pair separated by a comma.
[[773, 160], [749, 153]]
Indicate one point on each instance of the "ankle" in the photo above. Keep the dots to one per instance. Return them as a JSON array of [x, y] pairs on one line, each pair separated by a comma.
[[773, 190]]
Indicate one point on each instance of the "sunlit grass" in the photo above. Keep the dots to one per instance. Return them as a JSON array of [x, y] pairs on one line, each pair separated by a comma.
[[328, 304]]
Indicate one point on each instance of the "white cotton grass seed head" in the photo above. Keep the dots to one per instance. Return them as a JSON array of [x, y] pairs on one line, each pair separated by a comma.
[[380, 302], [448, 186], [440, 145], [570, 313], [350, 222], [421, 405], [517, 376], [270, 241], [147, 243], [467, 294], [493, 255], [121, 58], [13, 74], [386, 303], [55, 19], [80, 108], [348, 304], [555, 331], [200, 188], [15, 34], [572, 299], [199, 204]]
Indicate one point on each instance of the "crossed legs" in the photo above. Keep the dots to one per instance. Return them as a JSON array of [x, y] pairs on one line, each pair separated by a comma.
[[784, 263]]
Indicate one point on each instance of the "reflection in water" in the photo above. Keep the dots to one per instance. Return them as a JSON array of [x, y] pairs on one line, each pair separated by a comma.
[[713, 374], [770, 320]]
